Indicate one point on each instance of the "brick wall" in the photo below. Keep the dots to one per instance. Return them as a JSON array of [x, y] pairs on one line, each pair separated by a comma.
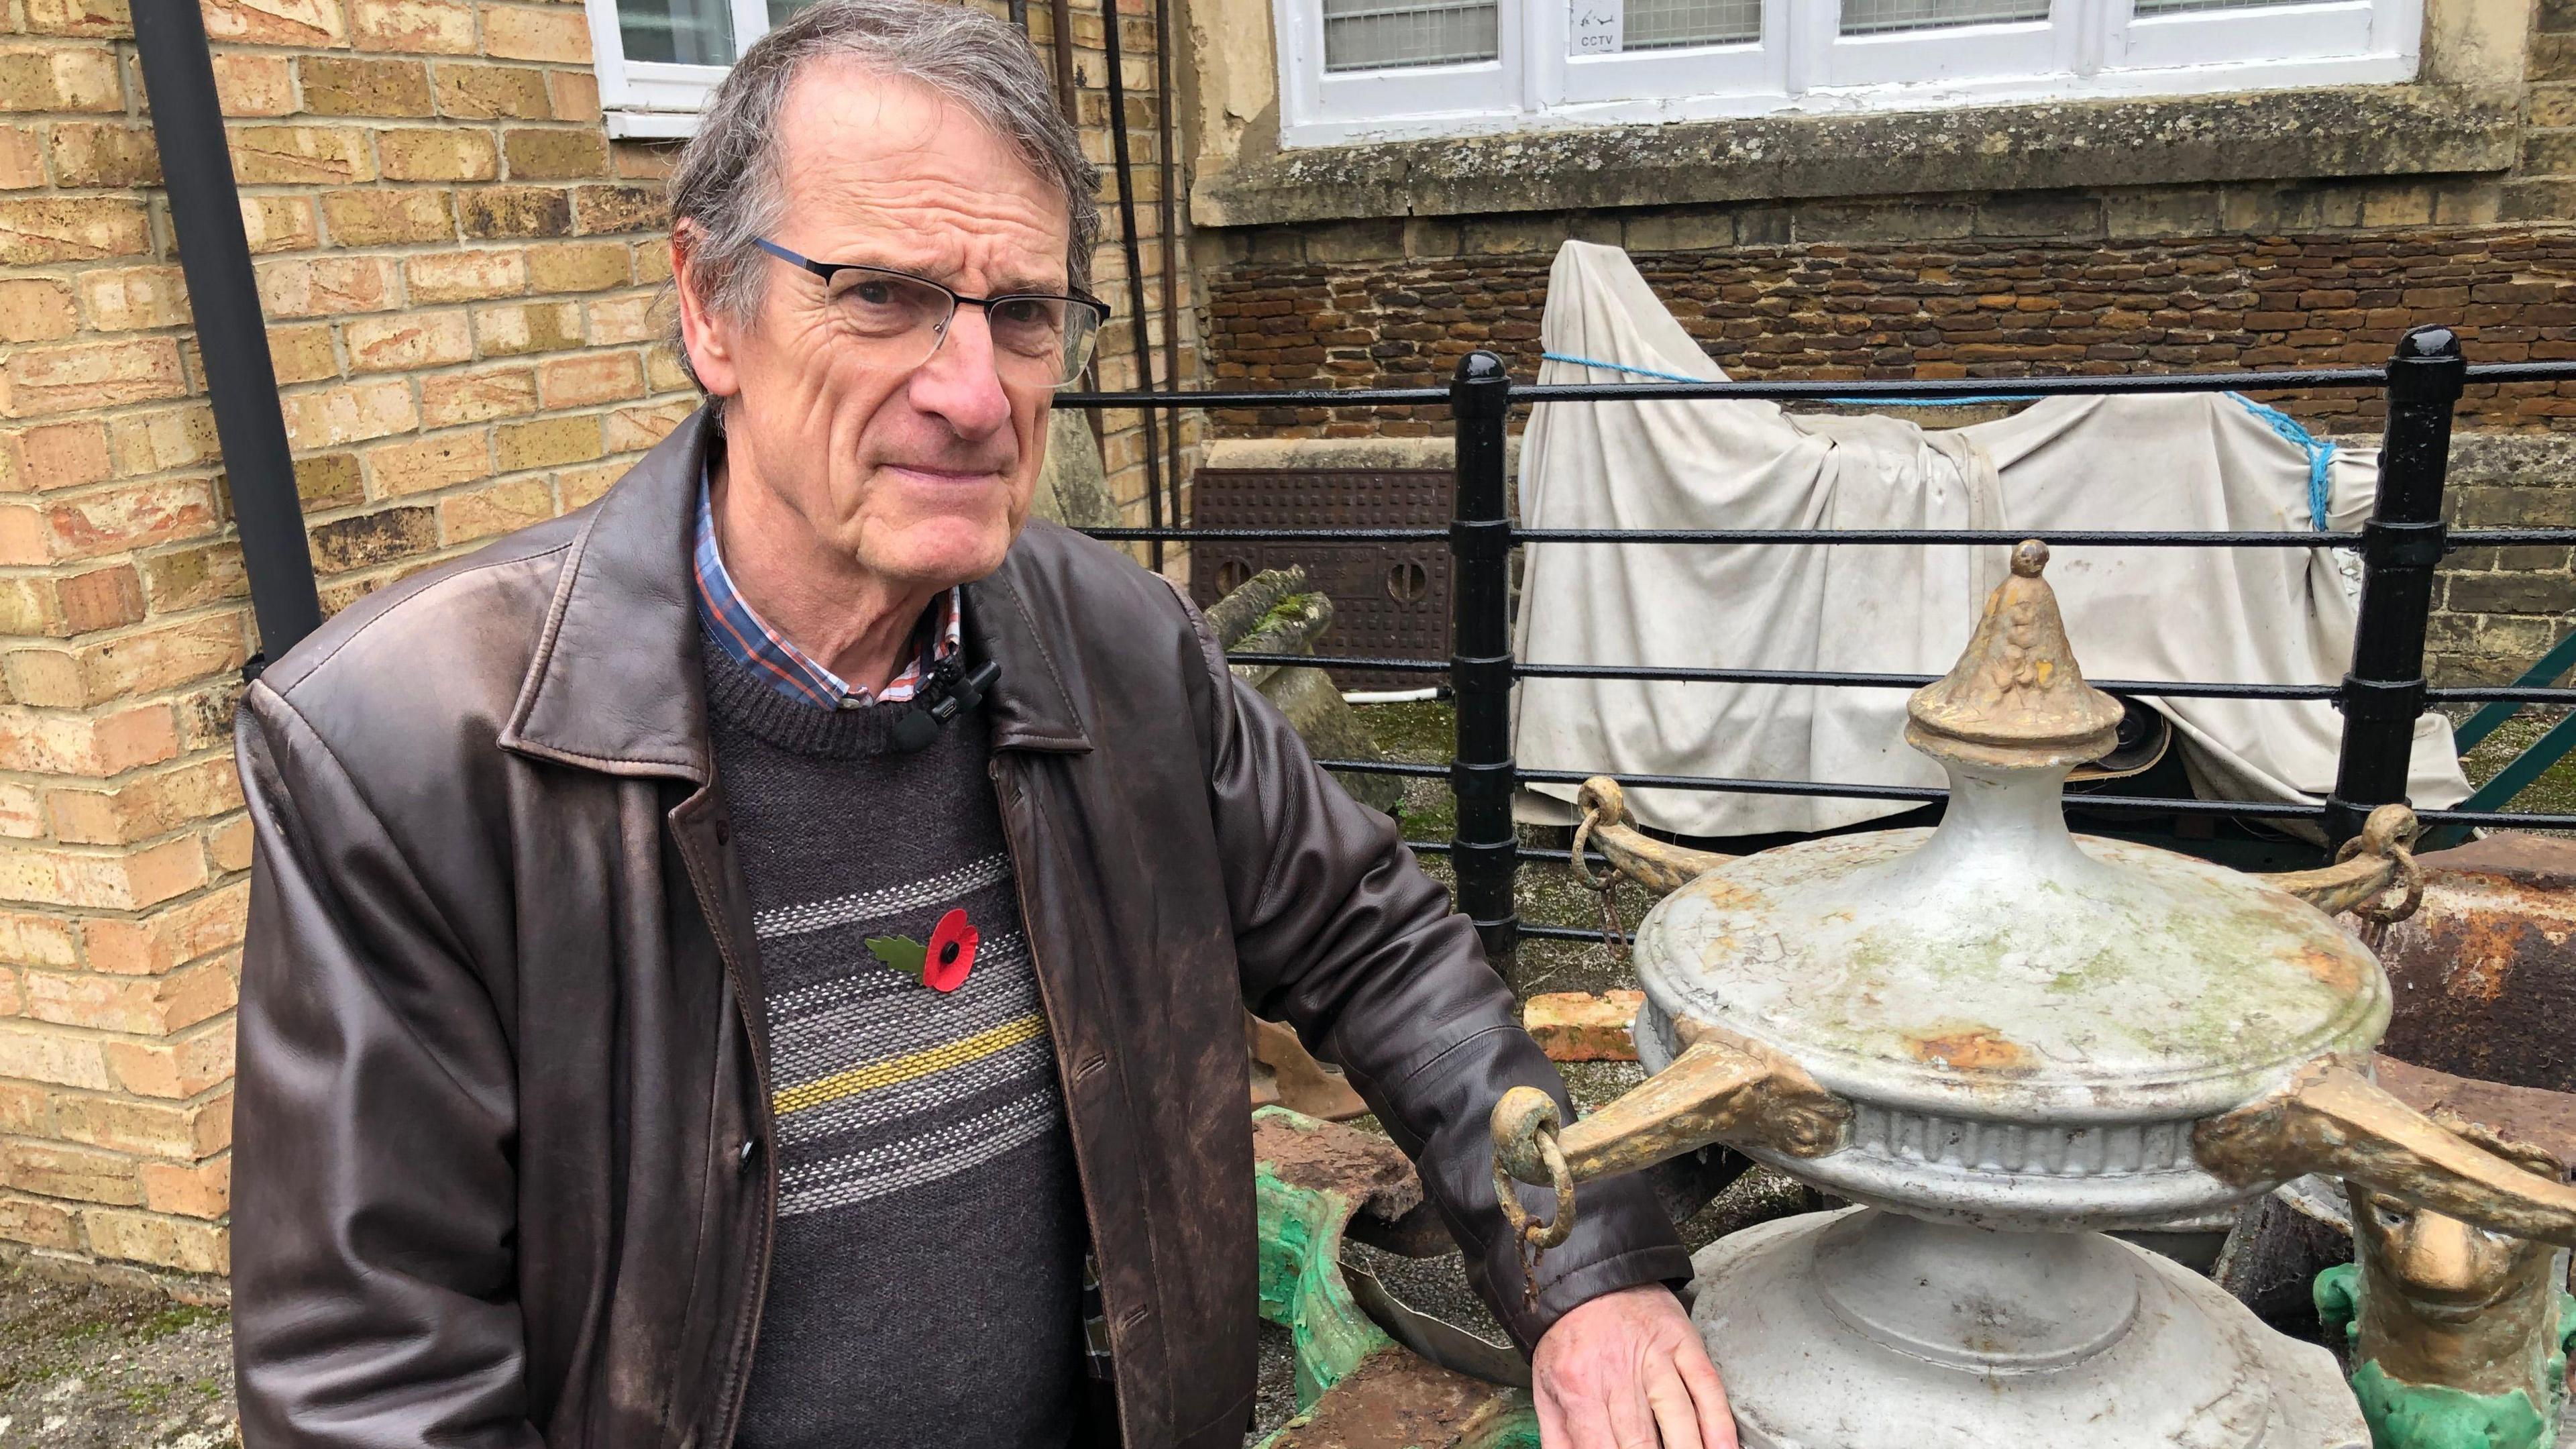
[[460, 273]]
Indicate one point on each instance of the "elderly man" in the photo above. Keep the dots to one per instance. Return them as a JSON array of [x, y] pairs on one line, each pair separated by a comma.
[[754, 961]]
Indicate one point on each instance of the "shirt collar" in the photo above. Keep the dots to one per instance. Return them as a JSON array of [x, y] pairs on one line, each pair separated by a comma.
[[750, 641]]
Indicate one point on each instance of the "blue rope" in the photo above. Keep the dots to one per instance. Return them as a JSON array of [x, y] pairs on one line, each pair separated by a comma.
[[2320, 454]]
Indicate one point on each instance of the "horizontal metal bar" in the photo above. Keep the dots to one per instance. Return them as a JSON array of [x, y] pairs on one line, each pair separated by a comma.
[[1526, 852], [1839, 679], [2460, 538], [2514, 693], [1388, 767], [1330, 661], [2497, 819], [2262, 810], [1531, 931], [1274, 535], [2522, 371], [1346, 397], [2072, 538]]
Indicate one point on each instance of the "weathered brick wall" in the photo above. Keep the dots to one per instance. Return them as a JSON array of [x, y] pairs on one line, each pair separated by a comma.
[[464, 281]]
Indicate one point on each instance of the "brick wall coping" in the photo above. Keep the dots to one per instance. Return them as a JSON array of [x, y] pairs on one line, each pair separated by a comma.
[[2339, 131]]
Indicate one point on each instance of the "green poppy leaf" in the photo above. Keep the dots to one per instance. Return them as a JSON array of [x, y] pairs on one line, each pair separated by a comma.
[[902, 953]]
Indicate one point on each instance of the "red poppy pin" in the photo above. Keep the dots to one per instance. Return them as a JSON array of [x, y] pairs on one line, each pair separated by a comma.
[[942, 965]]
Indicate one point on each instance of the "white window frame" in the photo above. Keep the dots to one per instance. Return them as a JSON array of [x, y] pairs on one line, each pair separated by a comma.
[[652, 99], [2083, 49]]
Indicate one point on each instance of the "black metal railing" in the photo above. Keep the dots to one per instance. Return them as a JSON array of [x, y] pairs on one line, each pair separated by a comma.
[[2382, 694]]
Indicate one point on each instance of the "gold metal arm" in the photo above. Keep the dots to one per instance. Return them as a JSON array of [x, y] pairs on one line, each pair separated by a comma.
[[2333, 1119], [2369, 864], [1635, 854]]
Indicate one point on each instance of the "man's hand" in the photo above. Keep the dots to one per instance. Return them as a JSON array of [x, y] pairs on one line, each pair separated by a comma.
[[1627, 1371]]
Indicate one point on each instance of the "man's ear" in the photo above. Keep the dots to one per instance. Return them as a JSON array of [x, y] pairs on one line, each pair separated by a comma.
[[707, 337]]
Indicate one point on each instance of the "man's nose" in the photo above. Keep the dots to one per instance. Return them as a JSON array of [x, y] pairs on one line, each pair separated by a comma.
[[959, 383]]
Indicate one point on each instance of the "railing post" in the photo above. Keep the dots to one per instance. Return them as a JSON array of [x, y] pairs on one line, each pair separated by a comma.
[[2401, 546], [1484, 848]]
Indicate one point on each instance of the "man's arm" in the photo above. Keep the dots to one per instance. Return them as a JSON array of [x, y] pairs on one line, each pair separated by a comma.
[[1340, 932], [374, 1200]]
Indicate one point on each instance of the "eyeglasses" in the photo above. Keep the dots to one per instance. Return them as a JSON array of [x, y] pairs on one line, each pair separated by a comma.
[[1039, 339]]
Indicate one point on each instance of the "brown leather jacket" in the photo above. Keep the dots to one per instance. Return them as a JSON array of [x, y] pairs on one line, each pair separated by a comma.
[[500, 1176]]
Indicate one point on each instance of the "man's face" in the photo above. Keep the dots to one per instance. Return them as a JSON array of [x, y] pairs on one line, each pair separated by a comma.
[[918, 475]]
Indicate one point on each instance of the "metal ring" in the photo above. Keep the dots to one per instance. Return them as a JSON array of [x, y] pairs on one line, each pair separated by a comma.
[[1574, 862], [2410, 876], [1535, 1235]]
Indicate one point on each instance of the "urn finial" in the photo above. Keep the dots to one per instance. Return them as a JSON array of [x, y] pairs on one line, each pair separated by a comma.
[[2016, 698]]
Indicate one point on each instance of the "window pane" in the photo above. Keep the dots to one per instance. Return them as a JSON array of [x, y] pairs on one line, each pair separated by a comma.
[[2176, 7], [1666, 24], [1380, 34], [1870, 17], [678, 32], [781, 10]]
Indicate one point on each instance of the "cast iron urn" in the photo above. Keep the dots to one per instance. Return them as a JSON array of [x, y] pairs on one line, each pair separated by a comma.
[[2001, 1040]]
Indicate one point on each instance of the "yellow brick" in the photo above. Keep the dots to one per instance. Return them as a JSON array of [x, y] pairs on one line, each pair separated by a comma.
[[474, 397], [329, 480], [101, 598], [546, 443], [467, 274], [135, 515], [349, 414], [590, 379], [107, 18], [255, 85], [83, 1174], [302, 155], [181, 1132], [186, 578], [551, 32], [17, 820], [492, 92], [573, 95], [437, 27], [36, 309], [26, 1110], [130, 299], [554, 155], [439, 154], [229, 845], [302, 354], [163, 439], [32, 940], [367, 540], [578, 267], [326, 285], [403, 340], [579, 486], [38, 1224], [167, 938], [138, 1005], [349, 86], [426, 464], [59, 78], [145, 662], [517, 328], [112, 881], [275, 22], [132, 1237], [492, 213], [599, 210], [22, 158], [55, 744], [281, 223], [623, 319], [653, 260], [88, 153], [372, 216], [497, 509], [37, 230], [634, 429], [35, 381], [191, 1190], [178, 1067], [662, 369], [35, 1053]]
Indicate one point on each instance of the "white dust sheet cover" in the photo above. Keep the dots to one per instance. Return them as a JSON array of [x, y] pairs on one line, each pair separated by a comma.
[[2184, 462]]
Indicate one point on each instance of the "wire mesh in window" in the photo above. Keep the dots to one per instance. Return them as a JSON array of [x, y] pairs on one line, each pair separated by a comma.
[[676, 32], [1875, 17], [2179, 7], [1386, 34], [1671, 24]]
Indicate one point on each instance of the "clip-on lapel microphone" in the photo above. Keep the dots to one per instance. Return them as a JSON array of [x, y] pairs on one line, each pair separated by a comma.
[[949, 691]]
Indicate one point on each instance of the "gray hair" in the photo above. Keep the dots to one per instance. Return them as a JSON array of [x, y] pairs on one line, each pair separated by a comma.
[[727, 184]]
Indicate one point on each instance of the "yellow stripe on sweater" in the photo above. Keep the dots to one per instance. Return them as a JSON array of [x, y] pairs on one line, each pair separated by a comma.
[[905, 1068]]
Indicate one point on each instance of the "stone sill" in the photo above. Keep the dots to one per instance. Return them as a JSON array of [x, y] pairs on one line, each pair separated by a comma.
[[2341, 131]]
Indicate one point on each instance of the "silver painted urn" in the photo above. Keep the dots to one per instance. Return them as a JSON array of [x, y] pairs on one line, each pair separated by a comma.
[[2001, 1040]]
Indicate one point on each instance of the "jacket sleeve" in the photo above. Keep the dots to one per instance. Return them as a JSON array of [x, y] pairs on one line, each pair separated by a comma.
[[374, 1289], [1340, 932]]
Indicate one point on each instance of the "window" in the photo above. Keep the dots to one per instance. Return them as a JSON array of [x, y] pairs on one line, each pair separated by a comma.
[[1354, 70], [657, 59]]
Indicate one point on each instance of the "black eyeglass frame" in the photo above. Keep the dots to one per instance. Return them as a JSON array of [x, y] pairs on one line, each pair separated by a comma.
[[828, 270]]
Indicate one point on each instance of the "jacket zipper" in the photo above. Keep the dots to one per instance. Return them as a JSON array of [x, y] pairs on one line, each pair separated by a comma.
[[746, 1328], [1013, 824]]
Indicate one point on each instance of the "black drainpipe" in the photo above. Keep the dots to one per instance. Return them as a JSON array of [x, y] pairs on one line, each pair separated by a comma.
[[232, 336]]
